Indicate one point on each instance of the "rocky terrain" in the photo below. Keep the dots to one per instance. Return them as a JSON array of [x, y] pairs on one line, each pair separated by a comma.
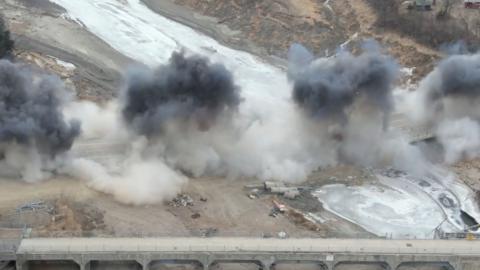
[[48, 40], [42, 36], [214, 206], [66, 207], [270, 27]]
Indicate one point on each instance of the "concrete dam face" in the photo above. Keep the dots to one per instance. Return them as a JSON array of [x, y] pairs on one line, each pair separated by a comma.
[[239, 253]]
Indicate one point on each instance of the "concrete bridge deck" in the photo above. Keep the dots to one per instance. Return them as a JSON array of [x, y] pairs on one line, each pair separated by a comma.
[[454, 254], [377, 246], [8, 249]]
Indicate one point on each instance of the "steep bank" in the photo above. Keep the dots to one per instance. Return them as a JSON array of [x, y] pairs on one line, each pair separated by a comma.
[[270, 27], [39, 28]]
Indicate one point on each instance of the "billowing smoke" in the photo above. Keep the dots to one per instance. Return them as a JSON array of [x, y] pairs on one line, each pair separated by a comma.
[[186, 89], [178, 123], [449, 99], [186, 121], [460, 139], [454, 83], [33, 131], [136, 179], [349, 99], [329, 87]]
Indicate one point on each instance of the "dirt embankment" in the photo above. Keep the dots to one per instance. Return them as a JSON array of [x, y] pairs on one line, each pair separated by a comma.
[[418, 38], [264, 27], [42, 34], [269, 27], [434, 28]]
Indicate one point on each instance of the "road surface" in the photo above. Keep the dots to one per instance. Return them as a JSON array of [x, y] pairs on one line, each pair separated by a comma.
[[369, 246]]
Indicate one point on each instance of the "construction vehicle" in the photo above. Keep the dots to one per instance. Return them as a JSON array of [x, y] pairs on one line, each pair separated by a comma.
[[419, 4], [472, 3]]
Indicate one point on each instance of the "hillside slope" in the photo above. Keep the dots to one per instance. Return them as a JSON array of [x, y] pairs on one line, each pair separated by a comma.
[[269, 27]]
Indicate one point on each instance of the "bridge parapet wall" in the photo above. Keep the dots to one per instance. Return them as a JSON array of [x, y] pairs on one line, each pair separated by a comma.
[[460, 255], [265, 260]]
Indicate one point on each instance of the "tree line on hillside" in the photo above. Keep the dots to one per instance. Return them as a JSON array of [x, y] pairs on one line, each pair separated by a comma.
[[432, 29]]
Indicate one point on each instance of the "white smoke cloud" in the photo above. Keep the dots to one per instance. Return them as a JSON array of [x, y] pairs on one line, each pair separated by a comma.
[[280, 143], [131, 173], [259, 139], [98, 120], [26, 163], [460, 139], [140, 181], [349, 98], [447, 101]]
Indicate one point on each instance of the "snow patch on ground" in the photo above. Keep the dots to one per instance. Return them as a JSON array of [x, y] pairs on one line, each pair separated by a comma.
[[136, 31], [66, 65], [403, 206], [382, 210]]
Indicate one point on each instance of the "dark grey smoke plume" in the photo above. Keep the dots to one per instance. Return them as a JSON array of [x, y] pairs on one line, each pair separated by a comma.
[[30, 111], [298, 58], [456, 76], [449, 103], [325, 88], [187, 88]]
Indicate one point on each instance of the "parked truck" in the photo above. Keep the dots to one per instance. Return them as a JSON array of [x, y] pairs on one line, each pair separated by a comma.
[[472, 3]]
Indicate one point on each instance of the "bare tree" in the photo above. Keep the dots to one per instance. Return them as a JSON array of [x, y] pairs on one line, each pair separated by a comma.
[[445, 9], [6, 44], [477, 27]]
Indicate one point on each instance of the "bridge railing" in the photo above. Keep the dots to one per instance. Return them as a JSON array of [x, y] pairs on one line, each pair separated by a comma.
[[208, 232], [25, 232], [381, 249], [8, 245]]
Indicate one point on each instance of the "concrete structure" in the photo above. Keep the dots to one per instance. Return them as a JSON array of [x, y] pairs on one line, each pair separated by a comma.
[[392, 254], [8, 249], [413, 132]]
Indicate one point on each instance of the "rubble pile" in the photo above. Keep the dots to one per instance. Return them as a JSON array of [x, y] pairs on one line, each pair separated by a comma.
[[35, 206], [271, 187], [182, 200]]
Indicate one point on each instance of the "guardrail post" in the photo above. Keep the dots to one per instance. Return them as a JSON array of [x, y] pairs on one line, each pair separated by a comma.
[[393, 263], [457, 264], [145, 264], [20, 264], [329, 264], [206, 261], [84, 263], [267, 263]]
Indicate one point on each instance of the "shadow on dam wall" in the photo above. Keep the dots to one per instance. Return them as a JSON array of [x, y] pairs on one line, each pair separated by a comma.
[[174, 265]]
